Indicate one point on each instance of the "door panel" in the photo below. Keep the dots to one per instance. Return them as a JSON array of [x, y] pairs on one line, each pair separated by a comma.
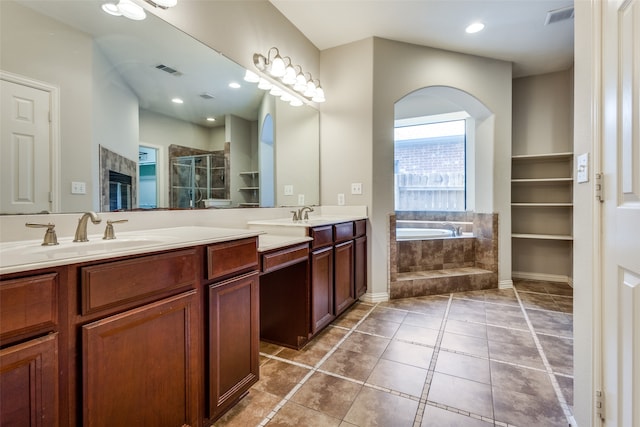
[[25, 149], [621, 214]]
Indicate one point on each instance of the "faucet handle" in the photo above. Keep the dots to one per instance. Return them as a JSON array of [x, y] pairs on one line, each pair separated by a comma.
[[295, 218], [50, 237], [109, 234]]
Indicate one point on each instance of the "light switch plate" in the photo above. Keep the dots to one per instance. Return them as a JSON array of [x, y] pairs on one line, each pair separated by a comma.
[[340, 199], [78, 187], [582, 168], [301, 199], [356, 188], [288, 190]]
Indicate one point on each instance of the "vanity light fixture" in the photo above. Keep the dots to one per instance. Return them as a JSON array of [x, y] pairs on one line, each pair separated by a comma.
[[289, 79], [131, 10], [126, 8]]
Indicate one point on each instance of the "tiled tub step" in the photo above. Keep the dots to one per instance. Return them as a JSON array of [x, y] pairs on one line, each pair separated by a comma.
[[433, 282]]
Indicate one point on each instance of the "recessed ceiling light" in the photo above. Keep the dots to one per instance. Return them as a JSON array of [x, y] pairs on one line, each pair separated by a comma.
[[177, 101], [475, 27], [211, 119], [234, 85]]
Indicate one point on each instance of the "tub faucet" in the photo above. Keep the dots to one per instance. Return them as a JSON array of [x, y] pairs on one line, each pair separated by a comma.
[[81, 231], [305, 210], [455, 231]]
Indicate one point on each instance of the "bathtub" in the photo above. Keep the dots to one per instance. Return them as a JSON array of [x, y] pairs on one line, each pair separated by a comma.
[[422, 233]]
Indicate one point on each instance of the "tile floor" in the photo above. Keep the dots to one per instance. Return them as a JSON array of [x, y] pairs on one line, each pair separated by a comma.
[[482, 358]]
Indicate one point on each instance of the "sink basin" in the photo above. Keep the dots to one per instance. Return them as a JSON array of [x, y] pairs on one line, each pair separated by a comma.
[[33, 252]]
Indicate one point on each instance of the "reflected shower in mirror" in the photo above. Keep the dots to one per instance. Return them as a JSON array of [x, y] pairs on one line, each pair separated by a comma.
[[116, 83]]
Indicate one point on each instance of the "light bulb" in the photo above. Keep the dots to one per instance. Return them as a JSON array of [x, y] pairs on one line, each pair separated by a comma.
[[264, 84], [319, 96], [310, 91], [251, 77], [111, 9], [289, 77], [166, 3], [277, 68], [131, 10], [301, 83]]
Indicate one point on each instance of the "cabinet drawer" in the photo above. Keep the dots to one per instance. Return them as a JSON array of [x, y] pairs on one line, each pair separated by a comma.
[[28, 306], [343, 232], [284, 257], [225, 259], [360, 227], [322, 236], [122, 283]]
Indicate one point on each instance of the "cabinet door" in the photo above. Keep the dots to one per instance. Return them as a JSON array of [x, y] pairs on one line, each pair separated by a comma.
[[29, 383], [234, 341], [322, 311], [360, 266], [343, 278], [141, 367]]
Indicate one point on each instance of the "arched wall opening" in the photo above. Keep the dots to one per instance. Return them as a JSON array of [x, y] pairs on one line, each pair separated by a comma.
[[443, 103]]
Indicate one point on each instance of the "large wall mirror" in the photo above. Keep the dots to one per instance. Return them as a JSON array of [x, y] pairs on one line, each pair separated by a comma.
[[117, 141]]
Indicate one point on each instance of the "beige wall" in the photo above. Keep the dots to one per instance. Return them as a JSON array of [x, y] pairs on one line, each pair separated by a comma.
[[48, 42], [365, 79], [542, 114], [585, 235]]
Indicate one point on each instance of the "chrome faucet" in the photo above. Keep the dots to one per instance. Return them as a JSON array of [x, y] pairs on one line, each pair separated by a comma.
[[305, 210], [81, 231], [455, 231]]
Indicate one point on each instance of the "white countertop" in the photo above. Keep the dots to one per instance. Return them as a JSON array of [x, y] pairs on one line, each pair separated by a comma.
[[30, 254]]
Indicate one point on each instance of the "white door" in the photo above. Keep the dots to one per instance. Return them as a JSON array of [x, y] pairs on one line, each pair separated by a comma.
[[25, 152], [621, 214]]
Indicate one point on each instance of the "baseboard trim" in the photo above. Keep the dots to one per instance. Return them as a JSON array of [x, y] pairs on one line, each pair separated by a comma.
[[370, 297], [505, 284], [542, 277]]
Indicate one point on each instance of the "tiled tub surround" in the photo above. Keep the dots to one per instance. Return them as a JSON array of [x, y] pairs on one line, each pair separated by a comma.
[[499, 357], [437, 266]]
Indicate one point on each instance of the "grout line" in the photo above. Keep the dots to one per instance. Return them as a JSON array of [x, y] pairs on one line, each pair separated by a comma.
[[554, 382], [312, 370]]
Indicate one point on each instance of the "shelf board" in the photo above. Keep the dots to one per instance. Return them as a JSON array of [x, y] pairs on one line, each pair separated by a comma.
[[541, 236], [249, 173], [542, 205], [541, 180], [248, 188], [547, 156]]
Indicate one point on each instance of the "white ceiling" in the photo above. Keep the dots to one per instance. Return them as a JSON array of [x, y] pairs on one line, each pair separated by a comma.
[[514, 31]]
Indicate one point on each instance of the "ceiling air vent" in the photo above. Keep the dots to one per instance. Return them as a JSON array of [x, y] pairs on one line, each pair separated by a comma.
[[558, 15], [207, 95], [169, 70]]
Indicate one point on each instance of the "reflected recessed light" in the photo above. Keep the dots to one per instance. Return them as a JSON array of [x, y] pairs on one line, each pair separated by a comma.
[[234, 85], [111, 9], [177, 101], [211, 119], [475, 27]]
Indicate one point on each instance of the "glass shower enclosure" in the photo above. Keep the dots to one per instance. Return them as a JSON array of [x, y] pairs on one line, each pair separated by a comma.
[[195, 178]]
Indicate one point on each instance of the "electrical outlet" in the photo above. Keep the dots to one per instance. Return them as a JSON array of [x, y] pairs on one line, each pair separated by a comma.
[[78, 187], [288, 190], [340, 199], [301, 199], [356, 188]]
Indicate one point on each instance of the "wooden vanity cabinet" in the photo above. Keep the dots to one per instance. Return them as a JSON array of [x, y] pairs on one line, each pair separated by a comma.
[[338, 270], [233, 337], [141, 343], [321, 260], [360, 258], [29, 393], [343, 252]]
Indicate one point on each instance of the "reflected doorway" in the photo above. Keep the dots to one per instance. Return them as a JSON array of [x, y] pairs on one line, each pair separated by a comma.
[[148, 173], [267, 180]]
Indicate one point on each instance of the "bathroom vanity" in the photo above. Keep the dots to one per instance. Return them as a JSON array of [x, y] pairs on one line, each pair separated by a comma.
[[156, 336], [163, 326]]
